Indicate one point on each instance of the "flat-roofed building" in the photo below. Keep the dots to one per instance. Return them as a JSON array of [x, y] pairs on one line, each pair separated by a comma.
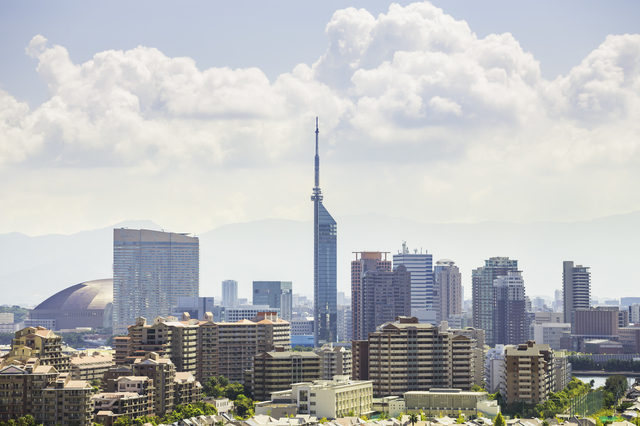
[[551, 334], [528, 373], [478, 352], [228, 349], [335, 361], [90, 367], [278, 370], [329, 398], [630, 339], [406, 355], [448, 402]]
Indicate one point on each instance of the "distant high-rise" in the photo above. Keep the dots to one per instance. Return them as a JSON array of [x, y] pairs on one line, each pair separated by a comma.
[[447, 291], [230, 293], [151, 270], [510, 315], [325, 279], [483, 292], [276, 294], [386, 295], [420, 265], [576, 289], [365, 261]]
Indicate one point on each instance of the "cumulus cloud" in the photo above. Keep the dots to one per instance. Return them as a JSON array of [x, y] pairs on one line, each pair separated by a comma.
[[411, 86]]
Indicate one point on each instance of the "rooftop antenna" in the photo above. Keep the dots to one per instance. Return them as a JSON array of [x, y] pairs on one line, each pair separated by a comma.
[[317, 159]]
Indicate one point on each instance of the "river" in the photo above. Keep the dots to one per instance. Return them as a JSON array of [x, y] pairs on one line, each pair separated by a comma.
[[599, 380]]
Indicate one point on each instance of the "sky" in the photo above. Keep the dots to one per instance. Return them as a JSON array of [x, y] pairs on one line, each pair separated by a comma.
[[200, 114]]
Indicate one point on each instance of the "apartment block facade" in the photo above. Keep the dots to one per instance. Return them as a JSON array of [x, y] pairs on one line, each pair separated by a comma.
[[529, 374], [365, 261], [335, 361], [408, 356], [278, 370], [40, 343]]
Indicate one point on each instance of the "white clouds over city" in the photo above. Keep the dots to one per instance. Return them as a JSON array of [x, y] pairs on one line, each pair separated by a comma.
[[411, 96]]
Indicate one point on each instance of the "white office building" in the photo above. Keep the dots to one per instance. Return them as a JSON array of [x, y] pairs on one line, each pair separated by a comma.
[[421, 267]]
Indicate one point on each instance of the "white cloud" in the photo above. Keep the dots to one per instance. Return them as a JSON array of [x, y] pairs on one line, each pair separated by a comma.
[[412, 87]]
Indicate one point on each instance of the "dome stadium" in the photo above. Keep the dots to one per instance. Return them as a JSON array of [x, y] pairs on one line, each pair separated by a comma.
[[88, 304]]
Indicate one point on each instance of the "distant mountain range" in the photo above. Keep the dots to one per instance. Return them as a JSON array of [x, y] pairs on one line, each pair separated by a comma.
[[34, 268]]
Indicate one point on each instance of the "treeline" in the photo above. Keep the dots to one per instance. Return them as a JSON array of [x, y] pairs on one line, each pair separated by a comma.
[[19, 314], [583, 363], [220, 387], [557, 403], [180, 412]]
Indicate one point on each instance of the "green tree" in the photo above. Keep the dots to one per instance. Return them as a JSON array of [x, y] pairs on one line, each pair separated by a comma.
[[413, 418], [460, 419], [244, 406], [27, 420], [233, 390], [123, 421], [499, 420], [146, 419], [323, 420], [223, 381], [209, 386], [477, 388]]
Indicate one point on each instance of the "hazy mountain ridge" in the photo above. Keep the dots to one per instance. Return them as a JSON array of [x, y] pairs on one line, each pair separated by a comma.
[[278, 249]]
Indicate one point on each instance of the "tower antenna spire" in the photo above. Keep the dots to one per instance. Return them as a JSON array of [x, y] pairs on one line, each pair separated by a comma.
[[317, 157]]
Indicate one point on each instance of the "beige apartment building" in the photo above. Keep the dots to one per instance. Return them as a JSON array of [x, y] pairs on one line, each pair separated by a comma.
[[52, 398], [168, 337], [529, 374], [478, 352], [227, 348], [38, 342], [278, 370], [89, 367], [335, 361], [163, 373], [332, 399], [408, 356]]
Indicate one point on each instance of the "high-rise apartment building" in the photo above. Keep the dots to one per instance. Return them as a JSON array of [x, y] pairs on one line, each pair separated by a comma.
[[529, 374], [420, 265], [365, 261], [325, 277], [484, 295], [229, 293], [278, 370], [40, 343], [510, 317], [386, 295], [151, 270], [408, 356], [576, 289], [447, 291], [275, 294], [335, 361], [228, 348], [345, 318]]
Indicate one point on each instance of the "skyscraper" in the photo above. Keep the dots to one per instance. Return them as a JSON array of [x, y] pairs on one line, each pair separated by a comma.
[[365, 261], [510, 316], [151, 270], [386, 295], [421, 268], [229, 293], [447, 291], [276, 294], [483, 292], [576, 289], [325, 284]]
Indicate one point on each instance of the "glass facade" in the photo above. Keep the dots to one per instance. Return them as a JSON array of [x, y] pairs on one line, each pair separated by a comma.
[[151, 270], [326, 287]]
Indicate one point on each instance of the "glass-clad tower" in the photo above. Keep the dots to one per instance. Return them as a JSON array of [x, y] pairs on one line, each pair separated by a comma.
[[325, 287], [151, 270]]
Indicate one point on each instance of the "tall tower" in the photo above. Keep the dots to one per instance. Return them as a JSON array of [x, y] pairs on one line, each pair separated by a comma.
[[576, 289], [447, 291], [510, 325], [365, 261], [229, 293], [483, 293], [151, 270], [421, 267], [325, 287]]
